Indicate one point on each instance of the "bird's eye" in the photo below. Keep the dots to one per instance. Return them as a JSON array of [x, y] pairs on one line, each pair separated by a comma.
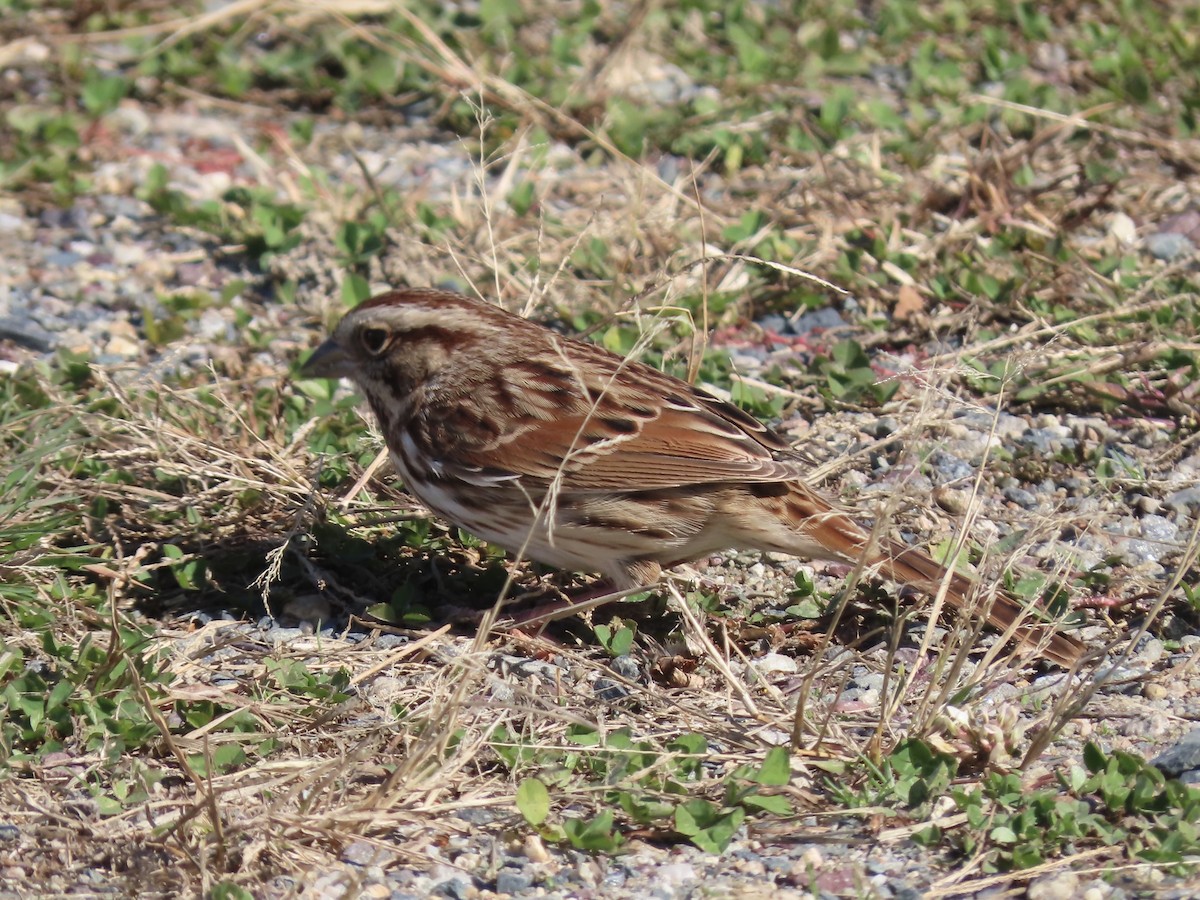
[[374, 340]]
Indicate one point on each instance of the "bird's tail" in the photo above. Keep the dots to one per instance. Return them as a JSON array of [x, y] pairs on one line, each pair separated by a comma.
[[828, 528], [910, 565]]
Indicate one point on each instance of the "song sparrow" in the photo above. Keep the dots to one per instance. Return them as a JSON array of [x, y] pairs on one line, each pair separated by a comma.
[[590, 462]]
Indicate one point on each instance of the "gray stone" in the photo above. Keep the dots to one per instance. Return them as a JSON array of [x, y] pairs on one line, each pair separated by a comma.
[[513, 881], [477, 816], [1021, 497], [10, 223], [774, 662], [947, 468], [1148, 651], [608, 690], [774, 322], [818, 319], [1134, 552], [1159, 528], [63, 258], [1183, 757], [884, 426], [626, 667], [1168, 245], [1186, 500], [871, 681], [1048, 441], [455, 888]]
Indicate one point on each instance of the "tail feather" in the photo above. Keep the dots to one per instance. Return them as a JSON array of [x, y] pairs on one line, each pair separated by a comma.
[[912, 566], [839, 536]]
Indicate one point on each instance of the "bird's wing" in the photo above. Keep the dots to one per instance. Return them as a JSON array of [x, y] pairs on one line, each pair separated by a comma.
[[598, 423]]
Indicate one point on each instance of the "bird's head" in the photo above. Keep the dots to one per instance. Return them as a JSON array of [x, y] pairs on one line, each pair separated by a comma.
[[406, 338]]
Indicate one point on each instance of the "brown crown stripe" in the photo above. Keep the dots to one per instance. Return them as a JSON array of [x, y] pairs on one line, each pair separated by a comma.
[[435, 297], [449, 339]]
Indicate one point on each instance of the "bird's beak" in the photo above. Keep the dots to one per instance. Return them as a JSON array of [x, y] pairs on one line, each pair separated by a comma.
[[327, 361]]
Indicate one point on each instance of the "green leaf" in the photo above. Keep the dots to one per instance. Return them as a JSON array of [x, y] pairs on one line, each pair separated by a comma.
[[617, 641], [768, 803], [1002, 834], [399, 614], [804, 584], [225, 758], [776, 769], [691, 743], [808, 608], [521, 198], [227, 890], [108, 806], [709, 828], [693, 816], [583, 735], [102, 93], [595, 834], [58, 695], [1093, 758], [355, 289], [533, 801]]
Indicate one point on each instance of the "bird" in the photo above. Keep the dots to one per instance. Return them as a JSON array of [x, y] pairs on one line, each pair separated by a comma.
[[588, 461]]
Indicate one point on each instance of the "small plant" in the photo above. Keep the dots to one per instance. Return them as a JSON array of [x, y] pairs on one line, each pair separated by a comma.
[[650, 787], [43, 149], [101, 93], [85, 694], [910, 778], [850, 378], [253, 217], [616, 638], [1112, 800], [359, 242]]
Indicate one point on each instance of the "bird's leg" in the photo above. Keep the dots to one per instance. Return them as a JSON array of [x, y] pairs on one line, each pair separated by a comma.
[[599, 594], [626, 577]]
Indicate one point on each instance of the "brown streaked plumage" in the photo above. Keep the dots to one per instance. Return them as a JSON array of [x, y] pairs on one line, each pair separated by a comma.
[[594, 463]]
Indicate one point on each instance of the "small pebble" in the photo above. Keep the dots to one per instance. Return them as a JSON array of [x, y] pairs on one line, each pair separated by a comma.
[[822, 319], [609, 691], [949, 468], [1184, 501], [1168, 245], [1152, 690], [626, 667], [311, 608], [774, 662], [1055, 886], [454, 888], [513, 881], [1021, 497], [535, 850], [1123, 228]]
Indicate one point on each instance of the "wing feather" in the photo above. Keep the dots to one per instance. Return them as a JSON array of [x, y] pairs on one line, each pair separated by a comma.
[[567, 412]]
